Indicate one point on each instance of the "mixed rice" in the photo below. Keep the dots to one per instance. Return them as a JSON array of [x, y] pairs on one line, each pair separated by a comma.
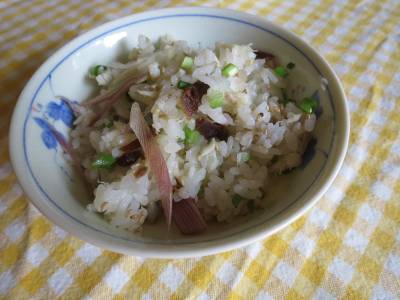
[[199, 129]]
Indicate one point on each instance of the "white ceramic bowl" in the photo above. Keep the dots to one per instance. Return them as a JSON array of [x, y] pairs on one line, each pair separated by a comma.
[[54, 189]]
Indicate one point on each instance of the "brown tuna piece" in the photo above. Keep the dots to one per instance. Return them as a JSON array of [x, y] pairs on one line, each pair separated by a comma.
[[131, 147], [212, 130], [128, 159], [192, 97], [270, 59]]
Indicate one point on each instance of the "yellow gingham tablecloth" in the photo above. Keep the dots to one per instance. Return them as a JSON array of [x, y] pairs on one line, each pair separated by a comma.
[[347, 246]]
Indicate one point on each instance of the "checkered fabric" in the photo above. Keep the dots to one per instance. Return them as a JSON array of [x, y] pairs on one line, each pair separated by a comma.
[[347, 246]]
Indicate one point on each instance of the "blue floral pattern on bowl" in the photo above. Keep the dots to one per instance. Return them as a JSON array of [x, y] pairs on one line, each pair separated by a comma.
[[47, 134], [55, 113], [61, 112]]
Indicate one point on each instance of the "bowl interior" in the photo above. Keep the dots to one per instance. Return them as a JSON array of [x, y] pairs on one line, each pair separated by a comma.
[[65, 74]]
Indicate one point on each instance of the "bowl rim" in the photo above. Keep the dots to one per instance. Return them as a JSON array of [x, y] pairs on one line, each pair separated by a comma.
[[182, 250]]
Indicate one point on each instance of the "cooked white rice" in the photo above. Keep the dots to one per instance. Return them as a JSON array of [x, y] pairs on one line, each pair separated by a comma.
[[265, 135]]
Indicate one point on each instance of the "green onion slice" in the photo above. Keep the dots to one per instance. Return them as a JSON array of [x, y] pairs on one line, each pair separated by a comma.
[[230, 70], [183, 84], [216, 99], [97, 70], [290, 65], [109, 123], [281, 71], [104, 161], [245, 157], [236, 199], [308, 105], [191, 135], [187, 63]]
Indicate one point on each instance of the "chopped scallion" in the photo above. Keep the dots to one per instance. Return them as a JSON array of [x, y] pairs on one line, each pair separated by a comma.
[[281, 71], [183, 84], [216, 99], [97, 70], [308, 105], [230, 70], [290, 65], [109, 123], [104, 161], [236, 199], [187, 63], [191, 135], [245, 157]]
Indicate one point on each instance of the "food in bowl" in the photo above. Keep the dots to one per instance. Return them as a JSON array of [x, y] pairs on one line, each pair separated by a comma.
[[188, 131]]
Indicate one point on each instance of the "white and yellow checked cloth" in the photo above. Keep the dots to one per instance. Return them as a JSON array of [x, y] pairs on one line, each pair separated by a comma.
[[348, 246]]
